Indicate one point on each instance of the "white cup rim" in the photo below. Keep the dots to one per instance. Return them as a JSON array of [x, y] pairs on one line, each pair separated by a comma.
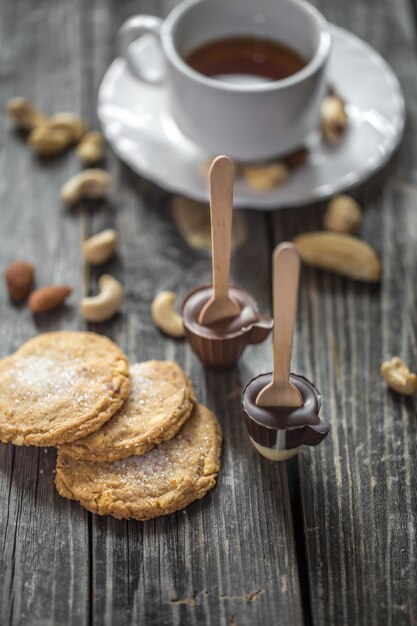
[[308, 70]]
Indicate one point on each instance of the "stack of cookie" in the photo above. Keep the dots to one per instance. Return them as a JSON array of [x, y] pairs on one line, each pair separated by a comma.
[[132, 441]]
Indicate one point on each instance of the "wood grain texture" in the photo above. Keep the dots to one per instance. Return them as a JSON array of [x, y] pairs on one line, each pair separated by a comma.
[[228, 559], [358, 490], [232, 557], [44, 540]]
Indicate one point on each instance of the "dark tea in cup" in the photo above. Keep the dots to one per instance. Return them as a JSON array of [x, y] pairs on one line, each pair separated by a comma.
[[245, 60]]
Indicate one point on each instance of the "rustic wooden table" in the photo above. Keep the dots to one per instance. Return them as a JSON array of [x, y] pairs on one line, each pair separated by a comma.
[[329, 538]]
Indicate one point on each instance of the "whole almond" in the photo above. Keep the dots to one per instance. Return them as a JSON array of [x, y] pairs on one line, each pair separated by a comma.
[[48, 298], [340, 253], [19, 280]]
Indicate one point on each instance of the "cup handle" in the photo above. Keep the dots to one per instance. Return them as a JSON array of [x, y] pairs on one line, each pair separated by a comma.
[[134, 28]]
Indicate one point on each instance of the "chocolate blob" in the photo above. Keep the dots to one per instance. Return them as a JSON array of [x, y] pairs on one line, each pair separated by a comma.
[[221, 344], [289, 426]]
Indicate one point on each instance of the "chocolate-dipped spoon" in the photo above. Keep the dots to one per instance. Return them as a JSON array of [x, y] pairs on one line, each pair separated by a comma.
[[283, 415], [286, 271], [221, 305]]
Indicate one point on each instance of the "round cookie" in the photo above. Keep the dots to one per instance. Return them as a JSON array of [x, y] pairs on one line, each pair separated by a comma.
[[162, 481], [160, 401], [60, 386]]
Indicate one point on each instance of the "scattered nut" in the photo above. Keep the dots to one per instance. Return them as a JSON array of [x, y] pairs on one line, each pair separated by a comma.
[[91, 148], [192, 219], [165, 316], [99, 248], [48, 141], [48, 298], [267, 176], [334, 119], [339, 253], [24, 114], [72, 123], [398, 377], [205, 168], [89, 185], [106, 304], [343, 215], [19, 280]]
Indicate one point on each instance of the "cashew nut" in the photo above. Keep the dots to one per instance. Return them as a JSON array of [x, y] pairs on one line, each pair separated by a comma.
[[24, 114], [343, 215], [99, 248], [165, 316], [266, 176], [192, 219], [334, 119], [398, 376], [91, 148], [70, 122], [89, 184], [106, 304], [48, 141]]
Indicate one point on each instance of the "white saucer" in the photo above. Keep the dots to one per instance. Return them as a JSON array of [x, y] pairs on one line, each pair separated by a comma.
[[137, 123]]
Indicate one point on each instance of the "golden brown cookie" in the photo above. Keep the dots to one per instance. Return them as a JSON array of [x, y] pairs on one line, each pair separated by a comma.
[[160, 401], [60, 386], [162, 481]]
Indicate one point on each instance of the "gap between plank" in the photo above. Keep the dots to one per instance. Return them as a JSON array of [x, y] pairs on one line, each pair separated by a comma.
[[84, 236], [90, 608], [413, 5], [300, 548], [295, 490]]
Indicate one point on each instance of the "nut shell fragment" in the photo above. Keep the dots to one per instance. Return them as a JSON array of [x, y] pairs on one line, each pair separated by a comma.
[[340, 253]]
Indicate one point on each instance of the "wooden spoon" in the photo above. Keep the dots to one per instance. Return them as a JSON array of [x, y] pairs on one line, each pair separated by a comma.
[[286, 272], [221, 305]]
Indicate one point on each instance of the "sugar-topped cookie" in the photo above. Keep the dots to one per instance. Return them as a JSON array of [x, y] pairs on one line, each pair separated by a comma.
[[162, 481], [59, 387], [160, 401]]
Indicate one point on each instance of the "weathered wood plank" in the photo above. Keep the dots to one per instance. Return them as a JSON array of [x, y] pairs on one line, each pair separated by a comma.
[[358, 489], [44, 539], [231, 557], [203, 565]]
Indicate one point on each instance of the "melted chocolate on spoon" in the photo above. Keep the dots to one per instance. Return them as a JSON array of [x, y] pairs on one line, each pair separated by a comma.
[[301, 424]]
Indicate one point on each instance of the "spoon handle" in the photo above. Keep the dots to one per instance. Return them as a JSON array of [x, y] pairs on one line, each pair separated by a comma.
[[221, 206], [286, 273]]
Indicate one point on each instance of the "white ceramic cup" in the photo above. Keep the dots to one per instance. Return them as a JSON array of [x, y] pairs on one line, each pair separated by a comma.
[[246, 121]]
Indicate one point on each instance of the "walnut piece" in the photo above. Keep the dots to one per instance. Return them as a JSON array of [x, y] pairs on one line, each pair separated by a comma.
[[398, 376]]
